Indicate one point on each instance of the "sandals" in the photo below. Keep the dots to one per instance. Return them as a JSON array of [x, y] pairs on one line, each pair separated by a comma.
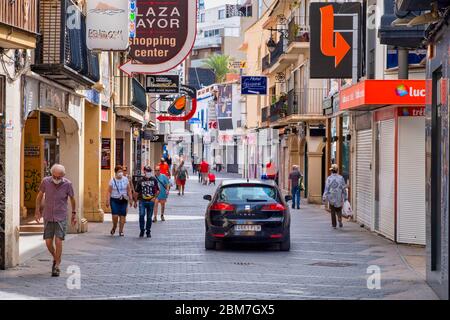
[[121, 234], [155, 219], [113, 231], [162, 218], [55, 270]]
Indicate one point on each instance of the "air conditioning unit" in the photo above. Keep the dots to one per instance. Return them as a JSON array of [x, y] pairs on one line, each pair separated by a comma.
[[47, 125]]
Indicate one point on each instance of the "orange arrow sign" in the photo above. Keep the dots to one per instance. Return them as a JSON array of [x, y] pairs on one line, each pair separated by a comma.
[[332, 43]]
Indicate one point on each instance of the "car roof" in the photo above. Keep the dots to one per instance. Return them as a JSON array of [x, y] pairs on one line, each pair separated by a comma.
[[244, 182]]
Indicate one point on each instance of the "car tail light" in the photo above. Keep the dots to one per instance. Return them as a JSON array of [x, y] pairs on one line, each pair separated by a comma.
[[276, 236], [273, 207], [222, 206], [219, 235]]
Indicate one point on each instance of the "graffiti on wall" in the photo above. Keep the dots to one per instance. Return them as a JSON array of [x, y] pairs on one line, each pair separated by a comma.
[[32, 181]]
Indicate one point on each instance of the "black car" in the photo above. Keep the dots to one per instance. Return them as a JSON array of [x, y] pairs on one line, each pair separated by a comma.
[[248, 211]]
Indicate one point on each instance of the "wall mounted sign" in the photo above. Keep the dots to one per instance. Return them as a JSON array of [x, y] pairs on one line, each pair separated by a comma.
[[187, 92], [162, 84], [253, 85], [107, 25], [165, 35], [106, 154], [335, 36], [374, 93]]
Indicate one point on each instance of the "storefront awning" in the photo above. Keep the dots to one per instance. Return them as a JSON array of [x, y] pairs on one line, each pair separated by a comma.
[[372, 94]]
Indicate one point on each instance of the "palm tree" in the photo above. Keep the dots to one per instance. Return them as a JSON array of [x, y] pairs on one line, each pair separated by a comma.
[[219, 64]]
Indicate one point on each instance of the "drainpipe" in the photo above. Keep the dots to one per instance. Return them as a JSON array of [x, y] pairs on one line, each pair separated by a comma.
[[403, 66]]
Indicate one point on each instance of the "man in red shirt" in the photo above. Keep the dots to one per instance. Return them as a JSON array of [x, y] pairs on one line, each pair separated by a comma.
[[164, 168], [204, 170]]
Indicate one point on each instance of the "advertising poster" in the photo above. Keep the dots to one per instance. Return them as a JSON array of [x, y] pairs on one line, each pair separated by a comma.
[[106, 154], [225, 108]]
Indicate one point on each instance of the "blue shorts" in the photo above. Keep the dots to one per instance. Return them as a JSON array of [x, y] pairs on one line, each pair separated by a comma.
[[119, 207]]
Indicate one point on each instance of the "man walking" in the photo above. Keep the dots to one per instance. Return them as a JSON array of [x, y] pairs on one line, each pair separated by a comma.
[[295, 186], [147, 191], [336, 194], [57, 191], [164, 188]]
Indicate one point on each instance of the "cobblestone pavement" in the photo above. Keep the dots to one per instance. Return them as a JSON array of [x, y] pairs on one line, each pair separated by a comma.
[[323, 263]]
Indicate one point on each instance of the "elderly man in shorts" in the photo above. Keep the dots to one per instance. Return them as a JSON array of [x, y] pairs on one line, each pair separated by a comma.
[[57, 191]]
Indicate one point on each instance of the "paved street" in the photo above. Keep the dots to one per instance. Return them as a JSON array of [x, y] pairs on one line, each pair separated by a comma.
[[323, 263]]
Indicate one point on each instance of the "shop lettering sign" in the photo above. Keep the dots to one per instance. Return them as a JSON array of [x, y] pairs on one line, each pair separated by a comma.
[[165, 35]]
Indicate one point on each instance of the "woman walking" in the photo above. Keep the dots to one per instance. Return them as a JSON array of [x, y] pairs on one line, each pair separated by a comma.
[[181, 177], [118, 196], [336, 194]]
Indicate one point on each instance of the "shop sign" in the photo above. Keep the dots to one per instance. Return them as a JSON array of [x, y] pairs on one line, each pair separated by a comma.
[[32, 151], [162, 84], [335, 33], [253, 85], [411, 112], [383, 92], [165, 35], [107, 25]]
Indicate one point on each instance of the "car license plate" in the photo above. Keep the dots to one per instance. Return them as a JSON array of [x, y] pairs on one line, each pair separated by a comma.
[[248, 227]]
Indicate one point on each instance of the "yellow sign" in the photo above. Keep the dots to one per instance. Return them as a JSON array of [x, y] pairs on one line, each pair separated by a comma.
[[237, 65]]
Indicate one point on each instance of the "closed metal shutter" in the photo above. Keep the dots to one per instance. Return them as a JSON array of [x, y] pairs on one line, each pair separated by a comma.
[[411, 185], [364, 194], [386, 179]]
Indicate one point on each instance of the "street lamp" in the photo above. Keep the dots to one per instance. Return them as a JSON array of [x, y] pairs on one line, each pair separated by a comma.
[[271, 45]]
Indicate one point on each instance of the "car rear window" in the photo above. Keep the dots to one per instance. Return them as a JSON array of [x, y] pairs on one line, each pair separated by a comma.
[[248, 193]]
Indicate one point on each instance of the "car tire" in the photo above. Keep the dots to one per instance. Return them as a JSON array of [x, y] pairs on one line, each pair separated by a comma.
[[286, 244], [209, 244]]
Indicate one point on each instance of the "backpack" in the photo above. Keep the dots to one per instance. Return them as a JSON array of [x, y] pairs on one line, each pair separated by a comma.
[[182, 174]]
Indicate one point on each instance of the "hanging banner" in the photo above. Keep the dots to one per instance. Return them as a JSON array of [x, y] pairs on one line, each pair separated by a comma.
[[107, 25], [165, 35]]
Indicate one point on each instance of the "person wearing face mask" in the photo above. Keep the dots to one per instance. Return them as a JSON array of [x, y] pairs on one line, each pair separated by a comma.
[[57, 191], [119, 194], [147, 191]]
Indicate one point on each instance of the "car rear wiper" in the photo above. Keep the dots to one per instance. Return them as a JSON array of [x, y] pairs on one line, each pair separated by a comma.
[[256, 200]]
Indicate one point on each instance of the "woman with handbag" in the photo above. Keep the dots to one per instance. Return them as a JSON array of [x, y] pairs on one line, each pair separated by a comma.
[[118, 196]]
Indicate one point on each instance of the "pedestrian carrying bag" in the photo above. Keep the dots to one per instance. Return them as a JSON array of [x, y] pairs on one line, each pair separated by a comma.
[[182, 174], [347, 211], [122, 197], [301, 184]]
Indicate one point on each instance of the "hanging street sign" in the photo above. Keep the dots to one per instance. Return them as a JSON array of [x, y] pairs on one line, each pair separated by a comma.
[[253, 85], [188, 92], [335, 37], [107, 25], [165, 36], [162, 84]]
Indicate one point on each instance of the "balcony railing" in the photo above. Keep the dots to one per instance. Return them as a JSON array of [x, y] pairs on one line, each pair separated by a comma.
[[277, 110], [306, 101], [20, 14], [62, 53], [272, 58], [298, 29]]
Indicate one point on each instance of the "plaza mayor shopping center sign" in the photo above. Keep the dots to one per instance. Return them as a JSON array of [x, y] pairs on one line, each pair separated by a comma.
[[164, 37]]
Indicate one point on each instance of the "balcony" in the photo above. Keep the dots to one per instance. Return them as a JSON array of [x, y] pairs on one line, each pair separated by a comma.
[[208, 42], [302, 105], [18, 24], [277, 110], [61, 53], [278, 60], [298, 35]]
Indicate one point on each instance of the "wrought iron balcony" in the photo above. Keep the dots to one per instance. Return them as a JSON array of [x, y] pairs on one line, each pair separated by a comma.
[[62, 54], [298, 29], [305, 102]]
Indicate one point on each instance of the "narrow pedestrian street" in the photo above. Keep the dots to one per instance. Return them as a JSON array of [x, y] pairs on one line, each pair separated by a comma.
[[323, 263]]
